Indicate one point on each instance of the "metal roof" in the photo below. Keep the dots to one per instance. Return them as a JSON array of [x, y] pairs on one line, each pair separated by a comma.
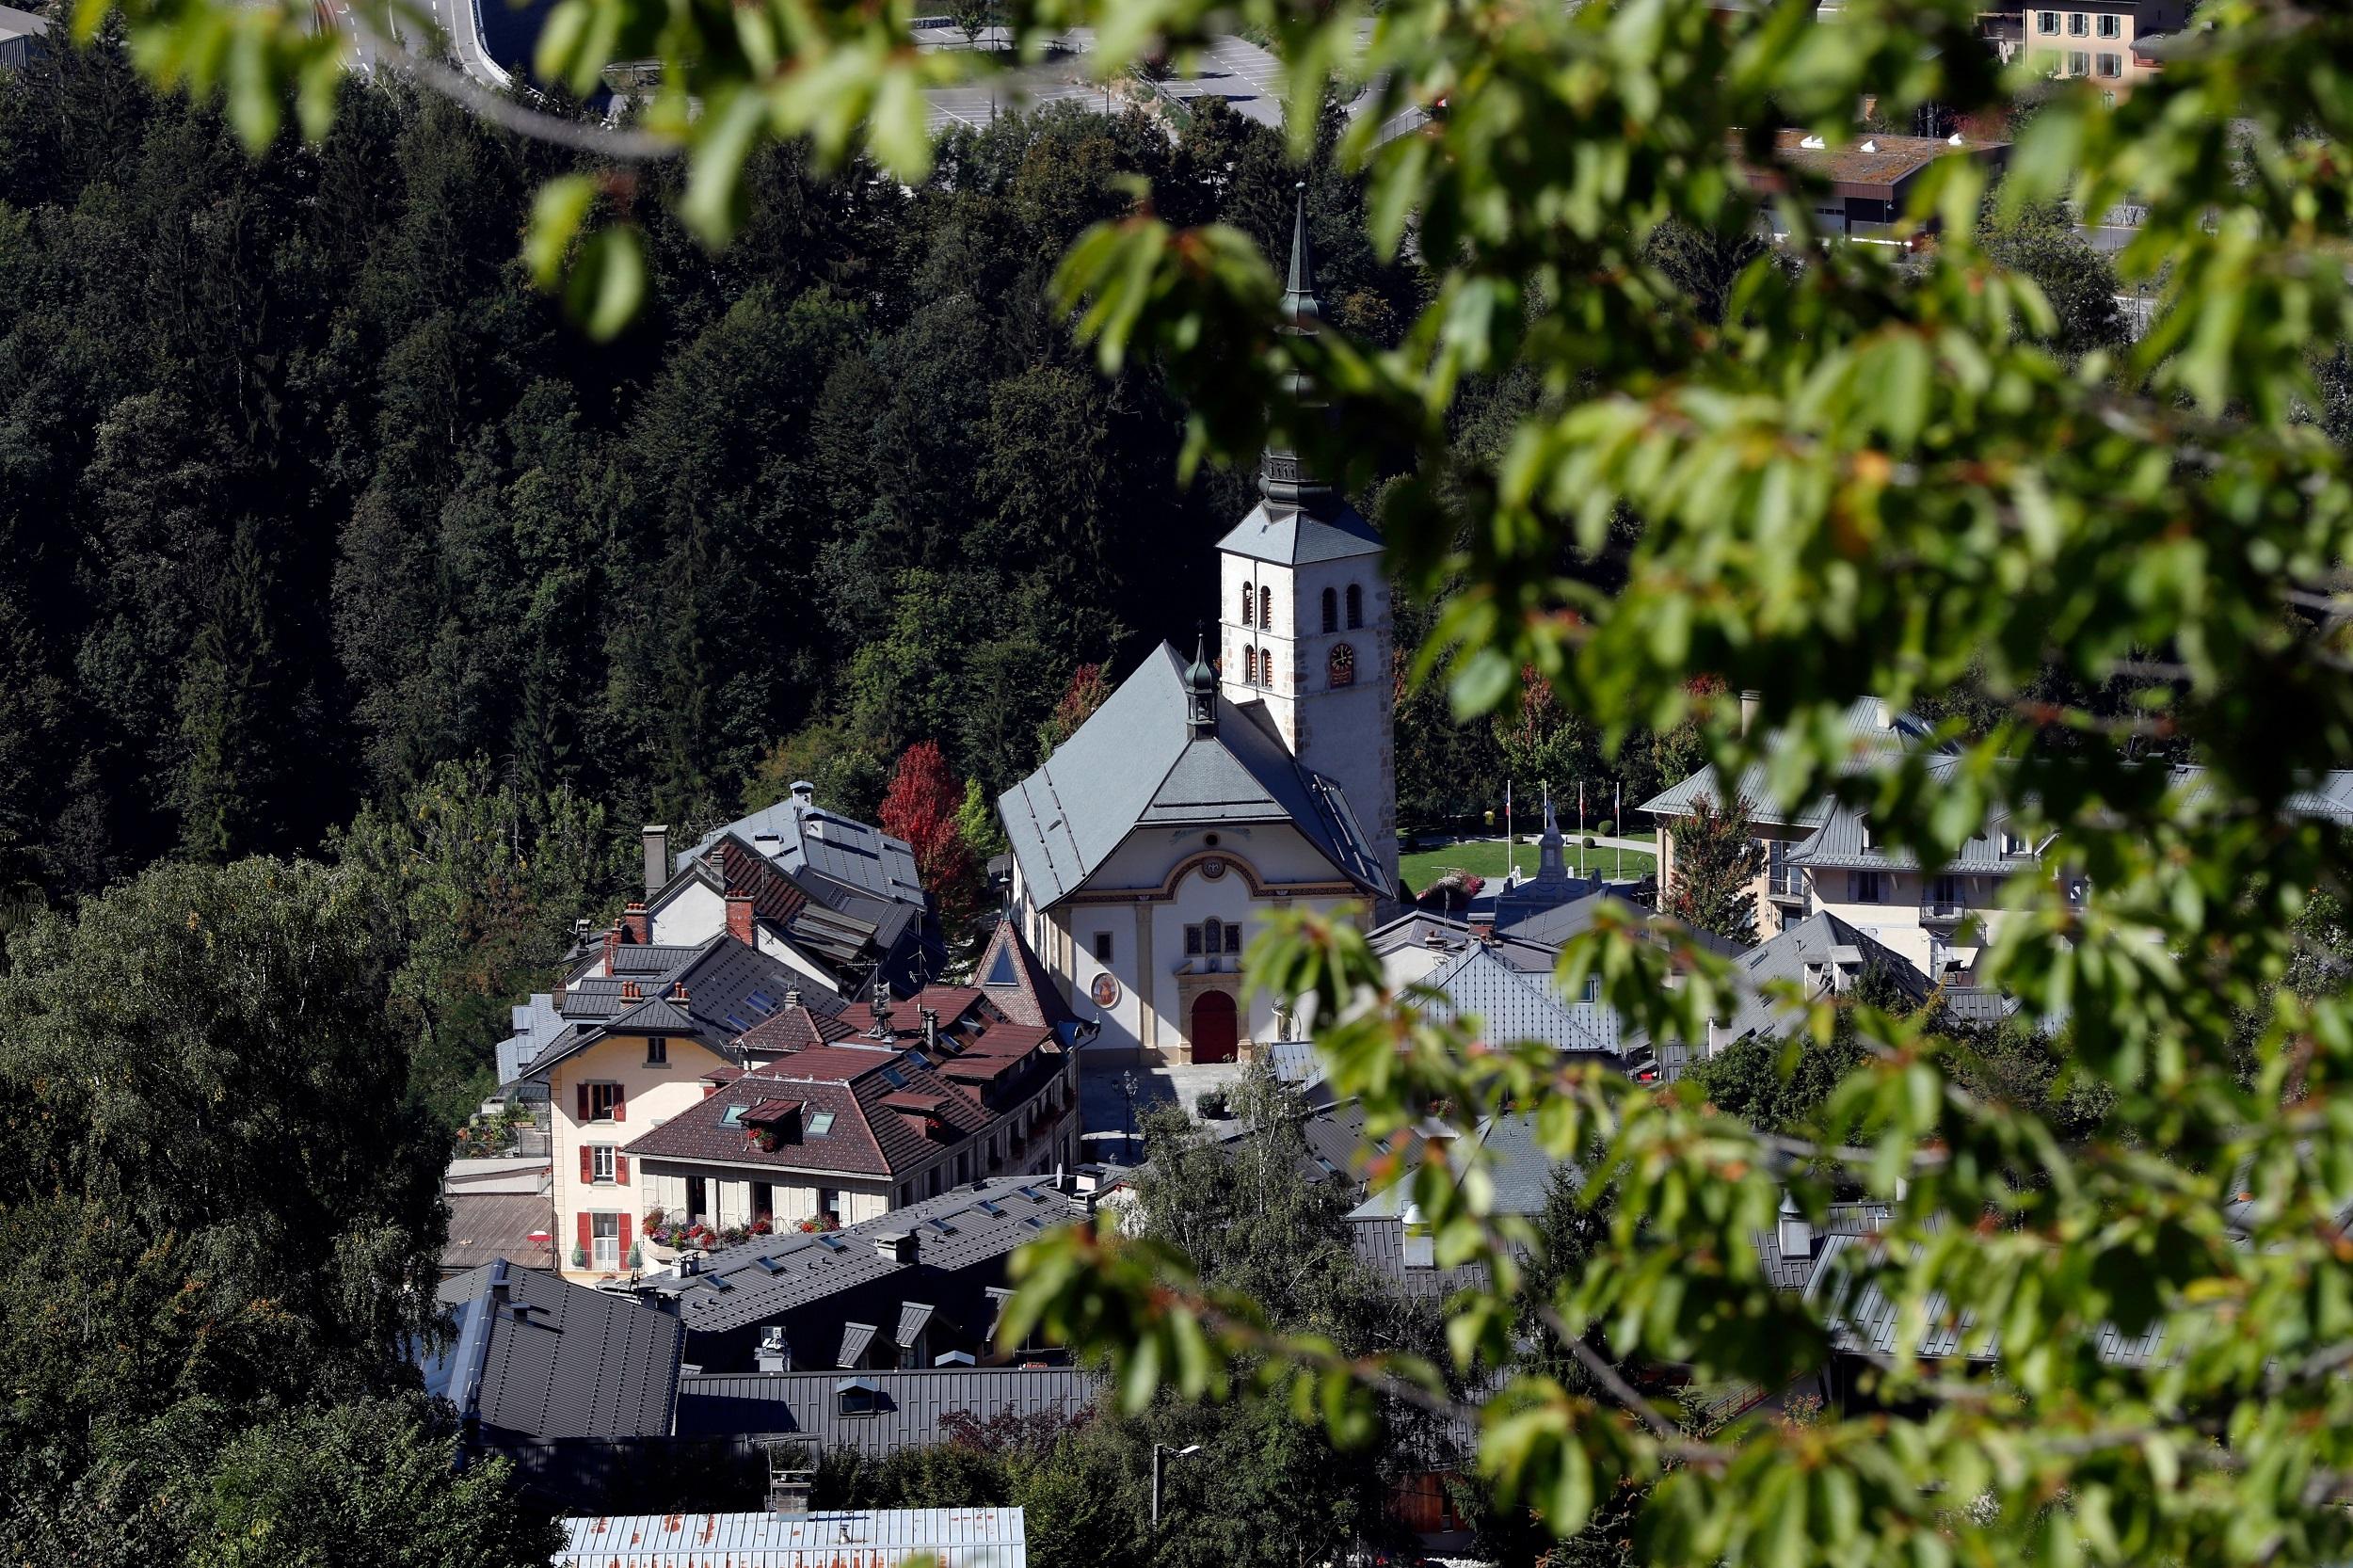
[[537, 1358], [1136, 763], [870, 1538], [768, 1277], [1869, 726], [1292, 537], [906, 1412], [1794, 1270], [1862, 1318], [799, 836]]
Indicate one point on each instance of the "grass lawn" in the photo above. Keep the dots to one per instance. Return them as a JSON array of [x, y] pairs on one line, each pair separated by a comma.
[[1484, 857]]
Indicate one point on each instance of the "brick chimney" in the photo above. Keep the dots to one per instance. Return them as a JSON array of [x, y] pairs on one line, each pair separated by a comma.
[[630, 991], [634, 917], [740, 918], [613, 940]]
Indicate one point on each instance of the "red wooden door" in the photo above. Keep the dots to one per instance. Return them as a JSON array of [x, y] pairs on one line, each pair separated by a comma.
[[1215, 1029]]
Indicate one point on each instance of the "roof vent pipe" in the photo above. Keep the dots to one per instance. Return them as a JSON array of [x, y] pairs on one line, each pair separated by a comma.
[[1794, 1232]]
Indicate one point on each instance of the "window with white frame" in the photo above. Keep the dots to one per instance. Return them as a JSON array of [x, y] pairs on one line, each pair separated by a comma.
[[601, 1161], [604, 1237]]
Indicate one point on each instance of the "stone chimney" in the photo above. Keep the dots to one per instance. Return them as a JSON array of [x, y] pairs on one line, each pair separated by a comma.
[[633, 920], [654, 838], [740, 918]]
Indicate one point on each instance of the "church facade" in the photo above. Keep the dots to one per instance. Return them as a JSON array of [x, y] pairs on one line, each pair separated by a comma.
[[1152, 845]]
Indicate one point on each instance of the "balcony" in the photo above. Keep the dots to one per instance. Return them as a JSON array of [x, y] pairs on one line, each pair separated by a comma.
[[1943, 911]]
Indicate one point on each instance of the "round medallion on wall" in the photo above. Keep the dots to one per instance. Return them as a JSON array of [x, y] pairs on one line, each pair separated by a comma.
[[1105, 991], [1213, 868]]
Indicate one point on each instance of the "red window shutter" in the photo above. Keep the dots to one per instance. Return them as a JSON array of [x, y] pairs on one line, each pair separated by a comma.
[[583, 1103], [620, 1168], [625, 1227], [617, 1104], [587, 1242], [587, 1163]]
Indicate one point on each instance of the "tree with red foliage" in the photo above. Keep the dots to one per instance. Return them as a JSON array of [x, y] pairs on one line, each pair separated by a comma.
[[920, 807], [1080, 699]]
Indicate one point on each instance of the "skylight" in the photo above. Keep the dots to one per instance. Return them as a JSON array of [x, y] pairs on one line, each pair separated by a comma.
[[893, 1076], [733, 1116], [820, 1123], [762, 1000]]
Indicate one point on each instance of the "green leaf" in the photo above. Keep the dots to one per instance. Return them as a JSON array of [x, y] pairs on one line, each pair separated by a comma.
[[607, 283]]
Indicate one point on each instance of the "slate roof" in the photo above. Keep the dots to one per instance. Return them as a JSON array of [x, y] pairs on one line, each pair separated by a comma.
[[1842, 840], [537, 1359], [909, 1407], [731, 987], [1903, 732], [1136, 763], [967, 1537], [766, 1278], [1513, 1005], [1813, 943], [1292, 537], [798, 835]]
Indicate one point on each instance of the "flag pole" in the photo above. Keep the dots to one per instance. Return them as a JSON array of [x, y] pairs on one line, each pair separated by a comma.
[[1511, 840], [1619, 817]]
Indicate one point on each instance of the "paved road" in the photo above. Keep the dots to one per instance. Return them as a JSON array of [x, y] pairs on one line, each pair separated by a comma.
[[457, 21]]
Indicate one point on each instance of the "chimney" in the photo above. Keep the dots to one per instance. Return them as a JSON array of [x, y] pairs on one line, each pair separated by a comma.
[[677, 990], [630, 991], [498, 1286], [792, 996], [740, 918], [655, 839], [772, 1355], [1794, 1233], [634, 917], [612, 945], [1882, 714], [804, 795], [1750, 703], [931, 1029], [898, 1246]]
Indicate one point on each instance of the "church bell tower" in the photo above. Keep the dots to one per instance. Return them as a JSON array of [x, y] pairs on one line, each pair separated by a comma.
[[1304, 624]]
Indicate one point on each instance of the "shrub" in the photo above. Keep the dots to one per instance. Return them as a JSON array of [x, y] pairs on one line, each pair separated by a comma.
[[1212, 1104]]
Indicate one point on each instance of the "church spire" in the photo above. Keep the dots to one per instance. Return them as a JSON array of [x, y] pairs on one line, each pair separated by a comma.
[[1283, 479], [1201, 688]]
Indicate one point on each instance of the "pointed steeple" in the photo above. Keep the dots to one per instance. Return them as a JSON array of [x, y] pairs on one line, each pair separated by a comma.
[[1283, 479], [1201, 688]]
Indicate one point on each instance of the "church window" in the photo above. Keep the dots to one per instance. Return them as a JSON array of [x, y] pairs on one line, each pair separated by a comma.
[[1356, 606], [1212, 936], [1331, 610], [1246, 591], [1102, 947], [1343, 666], [1192, 941], [1250, 666], [1266, 607], [1266, 667]]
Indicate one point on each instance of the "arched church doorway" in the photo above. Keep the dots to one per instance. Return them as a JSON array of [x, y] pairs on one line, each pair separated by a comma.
[[1215, 1028]]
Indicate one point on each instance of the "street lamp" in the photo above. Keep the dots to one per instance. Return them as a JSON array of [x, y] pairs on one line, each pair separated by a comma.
[[1158, 1450]]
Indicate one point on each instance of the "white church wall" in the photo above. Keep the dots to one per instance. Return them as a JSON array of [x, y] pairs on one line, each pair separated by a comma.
[[1274, 851]]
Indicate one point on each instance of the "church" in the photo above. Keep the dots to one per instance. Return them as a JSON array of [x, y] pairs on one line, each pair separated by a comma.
[[1154, 842]]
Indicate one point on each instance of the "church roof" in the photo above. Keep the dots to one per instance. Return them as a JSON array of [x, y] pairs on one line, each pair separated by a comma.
[[1137, 763], [1290, 537]]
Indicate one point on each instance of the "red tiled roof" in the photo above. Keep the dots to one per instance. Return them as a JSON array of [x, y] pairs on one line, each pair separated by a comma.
[[770, 1110], [774, 896], [793, 1029], [877, 1129]]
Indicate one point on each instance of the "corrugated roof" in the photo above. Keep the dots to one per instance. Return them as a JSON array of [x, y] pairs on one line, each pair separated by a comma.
[[1290, 536], [870, 1538], [1136, 762]]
